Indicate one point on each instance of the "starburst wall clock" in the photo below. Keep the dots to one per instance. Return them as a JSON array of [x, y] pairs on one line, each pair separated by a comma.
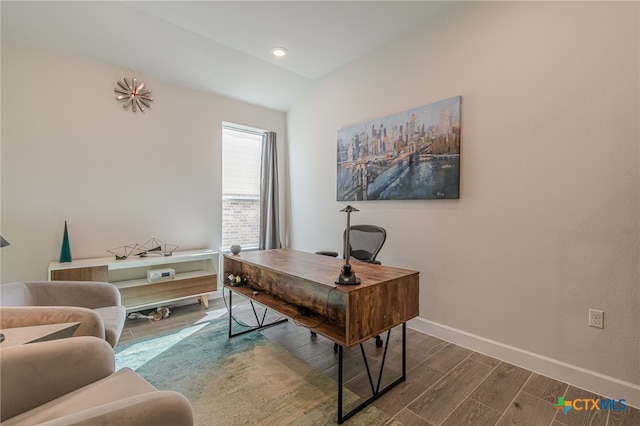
[[133, 95]]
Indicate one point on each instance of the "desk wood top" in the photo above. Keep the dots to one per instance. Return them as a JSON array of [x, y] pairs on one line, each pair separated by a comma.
[[320, 269]]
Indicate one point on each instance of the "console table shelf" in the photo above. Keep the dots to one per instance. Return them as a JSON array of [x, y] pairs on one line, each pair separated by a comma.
[[195, 276], [178, 277]]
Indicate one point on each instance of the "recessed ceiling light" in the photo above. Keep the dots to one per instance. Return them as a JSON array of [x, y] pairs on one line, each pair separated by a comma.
[[279, 51]]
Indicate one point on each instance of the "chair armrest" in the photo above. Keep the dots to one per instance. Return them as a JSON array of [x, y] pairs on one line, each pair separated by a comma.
[[91, 323], [148, 409], [36, 373], [89, 294], [328, 253]]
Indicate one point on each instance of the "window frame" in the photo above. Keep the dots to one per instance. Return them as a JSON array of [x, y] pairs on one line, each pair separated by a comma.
[[231, 198]]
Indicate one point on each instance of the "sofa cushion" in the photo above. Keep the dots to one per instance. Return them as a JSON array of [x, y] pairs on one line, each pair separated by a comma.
[[162, 408], [118, 386]]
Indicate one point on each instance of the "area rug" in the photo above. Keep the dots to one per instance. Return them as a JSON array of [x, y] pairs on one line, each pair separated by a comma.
[[245, 380]]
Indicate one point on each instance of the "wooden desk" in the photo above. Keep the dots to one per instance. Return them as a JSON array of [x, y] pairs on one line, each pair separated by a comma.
[[286, 281], [37, 333]]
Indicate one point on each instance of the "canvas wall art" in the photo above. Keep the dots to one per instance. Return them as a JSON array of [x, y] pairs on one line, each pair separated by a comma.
[[406, 156]]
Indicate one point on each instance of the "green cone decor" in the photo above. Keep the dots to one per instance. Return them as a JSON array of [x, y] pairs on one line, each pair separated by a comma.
[[65, 253]]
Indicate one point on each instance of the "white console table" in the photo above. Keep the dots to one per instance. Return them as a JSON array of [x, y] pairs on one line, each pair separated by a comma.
[[195, 276]]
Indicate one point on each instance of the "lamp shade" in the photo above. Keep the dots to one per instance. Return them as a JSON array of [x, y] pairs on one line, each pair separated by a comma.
[[3, 242]]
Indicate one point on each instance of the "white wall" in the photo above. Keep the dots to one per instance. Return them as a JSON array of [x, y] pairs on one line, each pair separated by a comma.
[[70, 152], [547, 224]]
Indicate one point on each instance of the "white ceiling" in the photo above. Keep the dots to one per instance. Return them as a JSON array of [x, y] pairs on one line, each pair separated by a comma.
[[219, 46]]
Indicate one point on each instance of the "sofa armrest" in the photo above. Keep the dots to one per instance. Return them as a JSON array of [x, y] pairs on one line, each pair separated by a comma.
[[89, 294], [91, 323], [36, 373], [148, 409]]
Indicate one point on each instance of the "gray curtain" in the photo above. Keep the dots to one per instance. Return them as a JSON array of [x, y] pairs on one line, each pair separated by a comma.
[[269, 217]]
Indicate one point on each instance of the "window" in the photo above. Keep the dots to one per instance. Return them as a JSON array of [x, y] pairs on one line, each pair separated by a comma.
[[241, 158]]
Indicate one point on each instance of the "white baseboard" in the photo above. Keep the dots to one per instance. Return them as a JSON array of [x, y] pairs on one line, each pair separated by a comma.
[[598, 383]]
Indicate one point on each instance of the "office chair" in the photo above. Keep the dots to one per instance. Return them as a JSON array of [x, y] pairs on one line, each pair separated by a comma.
[[366, 241]]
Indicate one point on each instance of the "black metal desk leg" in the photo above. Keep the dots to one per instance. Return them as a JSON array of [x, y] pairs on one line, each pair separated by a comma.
[[230, 308], [259, 323], [340, 358], [404, 351], [376, 391]]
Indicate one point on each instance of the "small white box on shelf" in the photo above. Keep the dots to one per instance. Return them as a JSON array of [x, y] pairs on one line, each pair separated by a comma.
[[162, 274]]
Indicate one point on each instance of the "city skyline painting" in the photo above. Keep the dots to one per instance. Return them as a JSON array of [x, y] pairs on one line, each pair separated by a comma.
[[410, 155]]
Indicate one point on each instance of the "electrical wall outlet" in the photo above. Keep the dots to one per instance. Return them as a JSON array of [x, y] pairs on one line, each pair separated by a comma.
[[596, 318]]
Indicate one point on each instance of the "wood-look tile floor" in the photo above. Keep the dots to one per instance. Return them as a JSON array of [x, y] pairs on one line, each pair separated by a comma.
[[446, 384]]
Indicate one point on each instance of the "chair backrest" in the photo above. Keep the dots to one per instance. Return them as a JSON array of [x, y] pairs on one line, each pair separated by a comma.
[[365, 241]]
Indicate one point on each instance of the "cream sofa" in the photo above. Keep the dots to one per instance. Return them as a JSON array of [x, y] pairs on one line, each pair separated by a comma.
[[72, 382], [96, 305]]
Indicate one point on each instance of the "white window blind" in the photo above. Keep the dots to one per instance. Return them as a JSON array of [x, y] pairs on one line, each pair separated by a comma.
[[241, 153]]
